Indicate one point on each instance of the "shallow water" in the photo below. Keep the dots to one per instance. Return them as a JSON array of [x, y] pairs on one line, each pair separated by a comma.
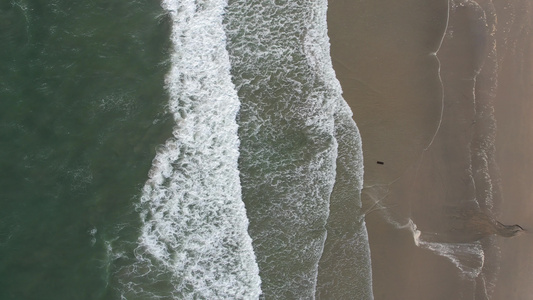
[[291, 107]]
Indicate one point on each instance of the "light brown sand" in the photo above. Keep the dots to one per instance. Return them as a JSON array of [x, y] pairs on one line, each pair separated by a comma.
[[381, 52], [514, 112]]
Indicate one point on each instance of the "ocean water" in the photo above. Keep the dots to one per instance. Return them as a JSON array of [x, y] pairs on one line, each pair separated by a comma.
[[182, 149], [290, 118], [82, 110], [175, 150]]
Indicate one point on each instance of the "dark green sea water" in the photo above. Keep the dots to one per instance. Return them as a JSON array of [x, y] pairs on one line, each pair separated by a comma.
[[81, 83], [139, 139]]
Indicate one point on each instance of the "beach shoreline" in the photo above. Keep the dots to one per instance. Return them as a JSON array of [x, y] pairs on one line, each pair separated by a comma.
[[417, 163]]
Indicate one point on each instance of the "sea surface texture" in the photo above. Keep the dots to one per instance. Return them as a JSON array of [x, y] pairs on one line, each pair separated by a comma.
[[204, 149], [175, 150], [292, 119]]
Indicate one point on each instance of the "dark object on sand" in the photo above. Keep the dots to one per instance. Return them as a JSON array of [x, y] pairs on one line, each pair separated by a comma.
[[380, 163]]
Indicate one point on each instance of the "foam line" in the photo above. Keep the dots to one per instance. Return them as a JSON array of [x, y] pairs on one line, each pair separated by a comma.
[[194, 242]]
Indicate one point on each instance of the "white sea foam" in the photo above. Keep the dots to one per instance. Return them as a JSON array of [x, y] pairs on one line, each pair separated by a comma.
[[194, 238], [290, 100], [346, 249], [469, 258]]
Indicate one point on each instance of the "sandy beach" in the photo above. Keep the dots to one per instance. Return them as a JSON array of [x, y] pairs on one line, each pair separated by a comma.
[[425, 83], [514, 146]]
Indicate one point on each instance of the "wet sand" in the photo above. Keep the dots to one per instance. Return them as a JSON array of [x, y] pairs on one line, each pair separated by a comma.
[[383, 56], [514, 107]]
